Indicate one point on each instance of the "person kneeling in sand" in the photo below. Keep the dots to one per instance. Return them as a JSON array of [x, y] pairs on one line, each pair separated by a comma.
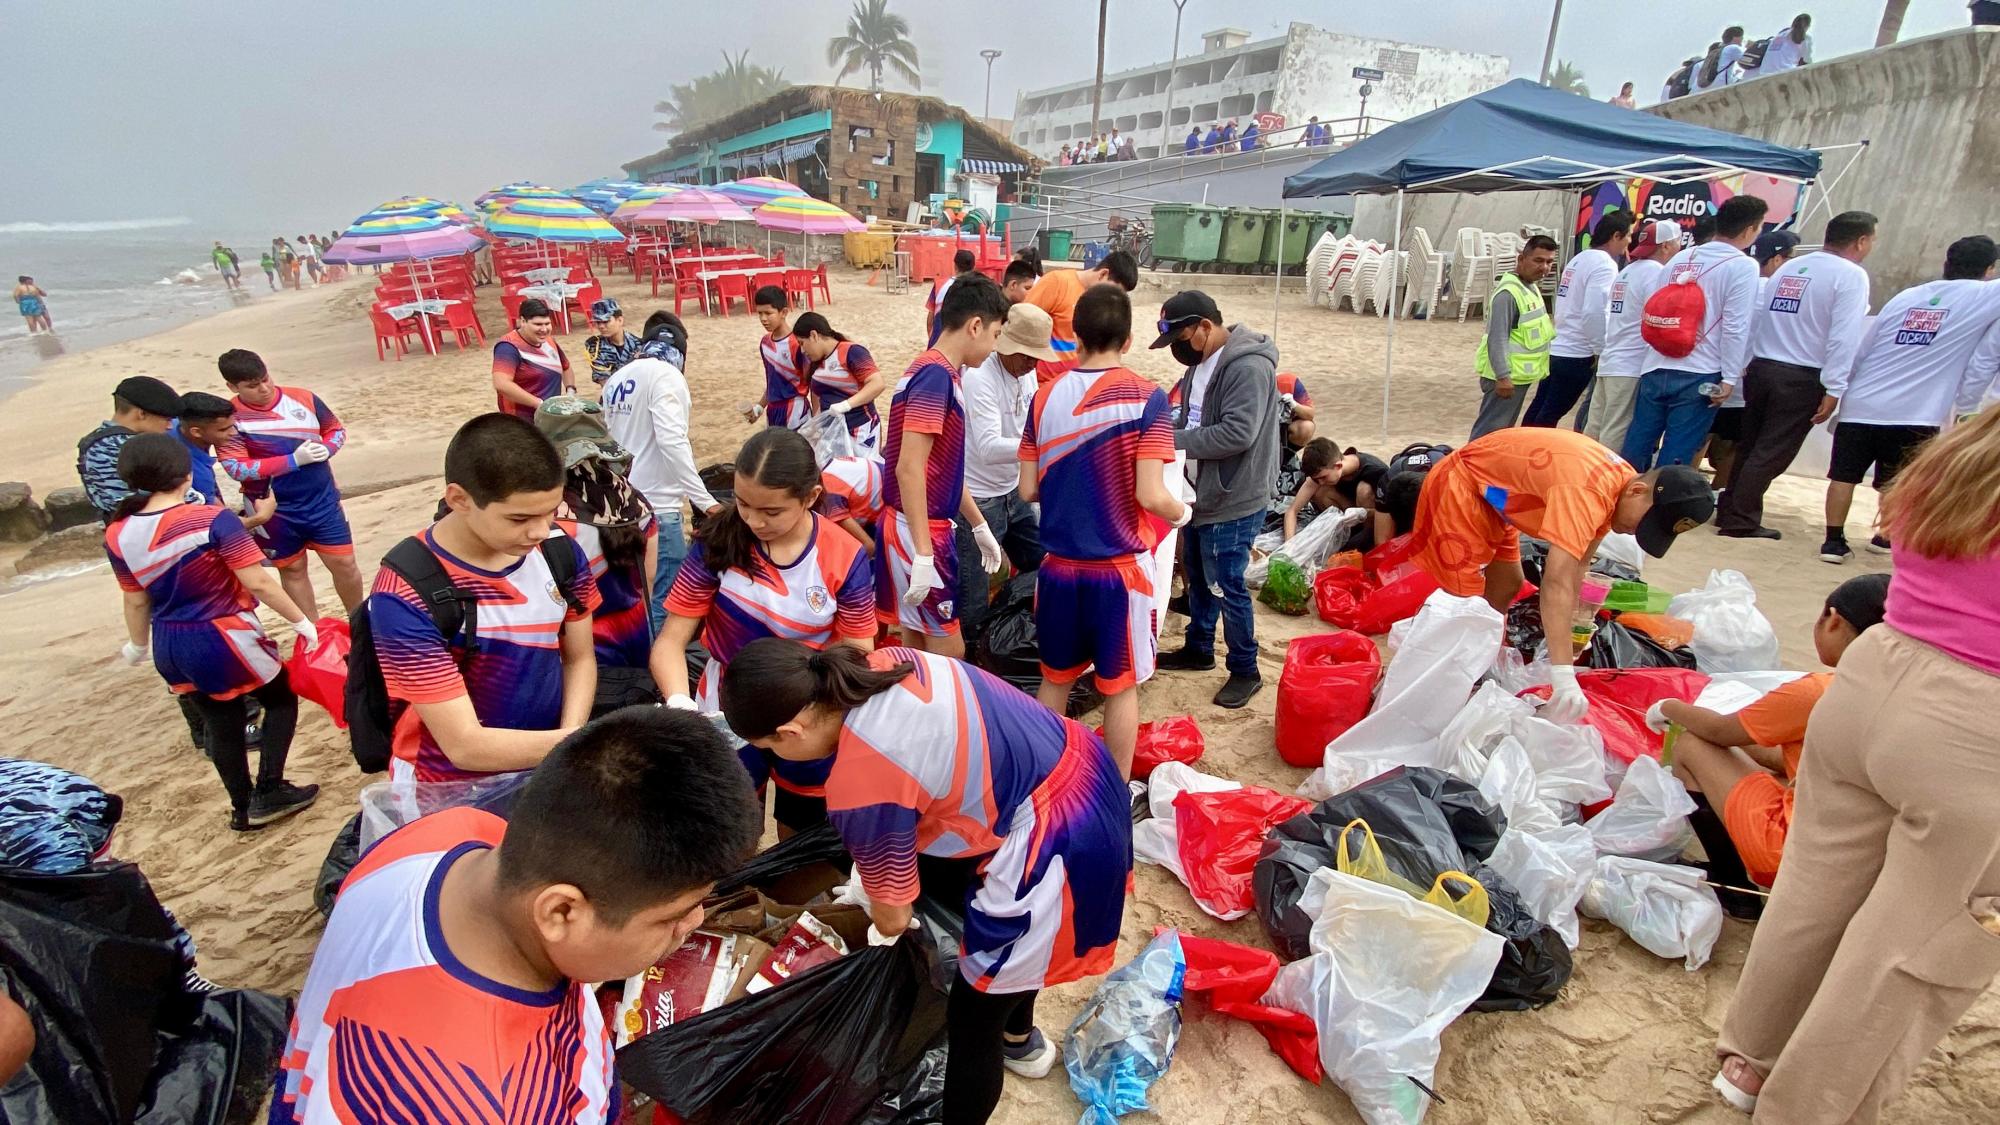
[[1336, 479], [458, 965], [1740, 767]]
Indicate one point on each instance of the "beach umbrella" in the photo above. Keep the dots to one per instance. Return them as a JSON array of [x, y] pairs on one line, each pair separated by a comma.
[[406, 237], [691, 205], [506, 193], [638, 200], [551, 220], [756, 191], [802, 214], [604, 196], [421, 204]]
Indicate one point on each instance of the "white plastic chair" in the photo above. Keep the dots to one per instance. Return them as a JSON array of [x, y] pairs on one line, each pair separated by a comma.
[[1381, 291], [1355, 282], [1427, 280], [1319, 268]]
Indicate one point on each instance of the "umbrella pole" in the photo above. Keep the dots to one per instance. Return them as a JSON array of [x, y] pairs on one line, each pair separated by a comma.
[[1389, 345]]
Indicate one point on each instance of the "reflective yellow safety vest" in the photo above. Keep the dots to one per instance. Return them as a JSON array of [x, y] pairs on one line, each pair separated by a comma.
[[1528, 355]]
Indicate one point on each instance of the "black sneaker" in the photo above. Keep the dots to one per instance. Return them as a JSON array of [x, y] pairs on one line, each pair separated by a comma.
[[1238, 691], [268, 806], [1835, 551], [1752, 533], [1879, 545], [1185, 659]]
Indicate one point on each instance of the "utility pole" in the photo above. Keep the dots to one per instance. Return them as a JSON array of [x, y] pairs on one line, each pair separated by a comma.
[[1167, 118], [1549, 54], [989, 54], [1097, 90]]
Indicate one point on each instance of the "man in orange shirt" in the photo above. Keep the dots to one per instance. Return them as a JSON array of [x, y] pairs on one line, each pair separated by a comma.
[[1740, 767], [1056, 294], [1556, 485]]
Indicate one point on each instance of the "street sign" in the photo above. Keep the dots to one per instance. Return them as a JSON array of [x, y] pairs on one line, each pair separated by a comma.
[[1369, 74]]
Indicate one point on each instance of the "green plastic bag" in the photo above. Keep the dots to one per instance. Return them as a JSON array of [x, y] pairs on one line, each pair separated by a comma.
[[1637, 597], [1287, 588]]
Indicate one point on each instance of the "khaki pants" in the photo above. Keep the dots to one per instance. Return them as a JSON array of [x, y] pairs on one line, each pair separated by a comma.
[[1611, 399], [1868, 952]]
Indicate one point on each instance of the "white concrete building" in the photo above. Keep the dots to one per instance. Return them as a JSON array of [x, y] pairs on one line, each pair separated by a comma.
[[1303, 73]]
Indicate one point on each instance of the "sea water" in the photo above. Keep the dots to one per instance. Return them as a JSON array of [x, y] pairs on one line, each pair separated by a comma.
[[115, 280]]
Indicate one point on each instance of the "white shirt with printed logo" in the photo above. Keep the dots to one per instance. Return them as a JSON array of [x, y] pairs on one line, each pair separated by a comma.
[[1811, 313], [1728, 278], [1625, 350], [1932, 352], [1581, 297]]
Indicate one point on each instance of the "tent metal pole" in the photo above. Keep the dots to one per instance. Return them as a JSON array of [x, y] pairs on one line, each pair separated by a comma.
[[1278, 282], [1389, 349]]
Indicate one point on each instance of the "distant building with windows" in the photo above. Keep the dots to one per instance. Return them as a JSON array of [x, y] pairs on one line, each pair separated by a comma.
[[1305, 72]]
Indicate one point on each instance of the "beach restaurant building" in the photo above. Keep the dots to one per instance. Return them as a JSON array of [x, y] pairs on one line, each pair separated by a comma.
[[872, 154]]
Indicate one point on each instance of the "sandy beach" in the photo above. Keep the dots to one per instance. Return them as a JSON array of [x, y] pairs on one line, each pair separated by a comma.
[[1630, 1040]]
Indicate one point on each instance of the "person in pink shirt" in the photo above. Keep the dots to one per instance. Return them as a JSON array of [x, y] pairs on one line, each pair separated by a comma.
[[1888, 907]]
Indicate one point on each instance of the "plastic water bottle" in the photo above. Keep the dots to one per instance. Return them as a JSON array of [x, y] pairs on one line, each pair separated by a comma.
[[1708, 390]]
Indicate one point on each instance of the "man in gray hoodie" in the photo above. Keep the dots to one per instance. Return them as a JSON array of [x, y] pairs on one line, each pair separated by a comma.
[[1228, 425]]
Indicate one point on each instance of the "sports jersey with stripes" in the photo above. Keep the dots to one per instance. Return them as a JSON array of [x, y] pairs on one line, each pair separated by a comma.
[[621, 629], [952, 762], [1290, 384], [786, 382], [535, 368], [205, 635], [839, 377], [392, 1026], [514, 675], [1087, 434], [263, 458], [927, 401], [853, 489]]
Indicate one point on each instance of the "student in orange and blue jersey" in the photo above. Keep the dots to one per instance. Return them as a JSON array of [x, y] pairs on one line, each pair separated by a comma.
[[767, 567], [285, 438], [853, 497], [923, 465], [787, 398], [1296, 411], [1094, 451], [962, 263], [845, 379], [455, 978], [192, 579], [462, 711], [528, 365], [943, 780]]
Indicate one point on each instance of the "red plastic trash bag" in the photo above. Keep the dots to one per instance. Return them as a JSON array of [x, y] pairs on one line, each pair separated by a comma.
[[1393, 602], [1235, 977], [1327, 686], [321, 675], [1386, 561], [1337, 594], [1220, 836], [1173, 739], [1619, 699]]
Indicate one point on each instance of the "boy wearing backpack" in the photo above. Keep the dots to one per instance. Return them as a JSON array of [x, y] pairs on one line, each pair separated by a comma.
[[480, 624], [1697, 332]]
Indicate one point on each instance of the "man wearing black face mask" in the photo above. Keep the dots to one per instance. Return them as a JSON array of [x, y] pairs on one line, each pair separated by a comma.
[[1228, 426]]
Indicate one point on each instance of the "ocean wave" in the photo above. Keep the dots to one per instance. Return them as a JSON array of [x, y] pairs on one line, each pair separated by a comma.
[[93, 227]]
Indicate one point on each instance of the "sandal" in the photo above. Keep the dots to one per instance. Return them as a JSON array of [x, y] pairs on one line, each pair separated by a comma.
[[1738, 1098]]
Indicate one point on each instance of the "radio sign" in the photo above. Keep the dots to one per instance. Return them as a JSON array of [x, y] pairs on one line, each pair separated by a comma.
[[1369, 74]]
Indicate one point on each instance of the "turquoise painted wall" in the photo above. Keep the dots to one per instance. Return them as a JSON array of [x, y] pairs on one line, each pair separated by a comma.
[[948, 141]]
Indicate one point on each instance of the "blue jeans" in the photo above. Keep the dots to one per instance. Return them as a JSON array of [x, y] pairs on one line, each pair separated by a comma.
[[1670, 416], [672, 549], [1213, 559], [1020, 534]]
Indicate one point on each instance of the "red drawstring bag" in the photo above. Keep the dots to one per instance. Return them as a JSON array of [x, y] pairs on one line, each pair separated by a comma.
[[1393, 602], [1235, 977], [1671, 322], [1327, 686], [1220, 836], [1619, 699], [1337, 594], [1173, 739], [321, 675]]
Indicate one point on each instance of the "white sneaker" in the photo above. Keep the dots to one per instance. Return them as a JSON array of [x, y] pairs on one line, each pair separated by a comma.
[[1033, 1059]]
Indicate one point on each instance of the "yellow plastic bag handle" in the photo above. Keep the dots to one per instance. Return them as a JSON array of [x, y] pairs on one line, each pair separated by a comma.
[[1474, 906]]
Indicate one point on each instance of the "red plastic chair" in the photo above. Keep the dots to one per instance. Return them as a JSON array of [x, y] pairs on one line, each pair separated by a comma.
[[825, 289], [778, 259], [461, 320], [775, 278], [510, 303], [387, 330], [685, 287], [799, 286], [732, 287]]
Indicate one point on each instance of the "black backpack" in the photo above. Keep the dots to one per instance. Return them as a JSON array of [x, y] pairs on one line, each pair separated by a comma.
[[1419, 457], [370, 726], [1753, 53], [1682, 82]]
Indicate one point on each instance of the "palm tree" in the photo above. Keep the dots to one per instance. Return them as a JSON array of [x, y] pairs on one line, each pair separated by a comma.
[[692, 104], [1097, 91], [1893, 12], [1567, 77], [876, 38]]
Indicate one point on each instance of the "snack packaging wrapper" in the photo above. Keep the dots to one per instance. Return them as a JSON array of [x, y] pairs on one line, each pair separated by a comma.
[[699, 976], [809, 942]]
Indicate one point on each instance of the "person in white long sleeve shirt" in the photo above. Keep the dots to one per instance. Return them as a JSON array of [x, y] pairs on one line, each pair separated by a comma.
[[646, 408], [1930, 355], [1773, 251], [1787, 50], [1672, 415], [1618, 368], [997, 394], [1808, 325], [1581, 298]]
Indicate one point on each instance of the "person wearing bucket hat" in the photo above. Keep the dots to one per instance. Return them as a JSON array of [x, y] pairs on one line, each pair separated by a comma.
[[1556, 485], [610, 347]]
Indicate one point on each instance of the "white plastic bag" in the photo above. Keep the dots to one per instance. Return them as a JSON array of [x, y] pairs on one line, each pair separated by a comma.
[[1162, 572], [1623, 549], [1567, 758], [1733, 691], [1387, 974], [1551, 869], [1664, 907], [1157, 840], [1315, 543], [829, 436], [1516, 674], [1730, 635], [388, 805], [1648, 818], [1485, 719], [1509, 782], [1448, 649]]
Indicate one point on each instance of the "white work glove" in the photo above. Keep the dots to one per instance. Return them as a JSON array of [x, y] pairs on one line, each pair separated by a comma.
[[991, 558], [132, 654], [680, 702], [311, 453], [876, 937], [307, 631], [1566, 700], [1288, 400], [1656, 718], [841, 407], [1187, 514], [923, 579]]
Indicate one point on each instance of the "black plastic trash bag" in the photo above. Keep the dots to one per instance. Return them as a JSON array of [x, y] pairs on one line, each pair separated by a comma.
[[1534, 554], [818, 844], [1008, 647], [1534, 964], [1615, 646], [219, 1070], [340, 859], [1524, 627]]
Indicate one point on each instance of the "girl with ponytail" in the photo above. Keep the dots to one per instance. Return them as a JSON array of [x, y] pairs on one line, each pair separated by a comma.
[[769, 566], [943, 780], [844, 376], [192, 578]]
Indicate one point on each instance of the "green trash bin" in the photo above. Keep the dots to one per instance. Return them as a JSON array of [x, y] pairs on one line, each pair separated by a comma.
[[1318, 223], [1295, 226], [1187, 232], [1054, 244], [1242, 236]]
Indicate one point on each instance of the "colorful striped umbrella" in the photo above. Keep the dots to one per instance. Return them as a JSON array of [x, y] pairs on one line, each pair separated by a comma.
[[401, 238], [551, 220], [755, 191], [422, 204], [691, 205], [506, 193], [802, 214], [638, 200], [604, 196]]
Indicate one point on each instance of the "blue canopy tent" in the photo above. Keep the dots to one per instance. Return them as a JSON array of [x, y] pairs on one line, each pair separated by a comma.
[[1524, 136]]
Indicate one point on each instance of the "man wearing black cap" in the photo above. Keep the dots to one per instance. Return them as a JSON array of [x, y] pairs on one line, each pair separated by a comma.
[[1556, 485], [610, 347], [139, 405], [1227, 424]]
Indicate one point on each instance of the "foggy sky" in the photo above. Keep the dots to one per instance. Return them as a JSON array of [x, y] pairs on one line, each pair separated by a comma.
[[241, 113]]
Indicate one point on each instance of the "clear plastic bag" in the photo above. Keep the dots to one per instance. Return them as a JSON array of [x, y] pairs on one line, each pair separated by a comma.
[[1664, 907], [1550, 869], [1567, 759], [1509, 782], [829, 436], [1648, 818], [388, 805], [1125, 1036], [1315, 543], [1730, 635]]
